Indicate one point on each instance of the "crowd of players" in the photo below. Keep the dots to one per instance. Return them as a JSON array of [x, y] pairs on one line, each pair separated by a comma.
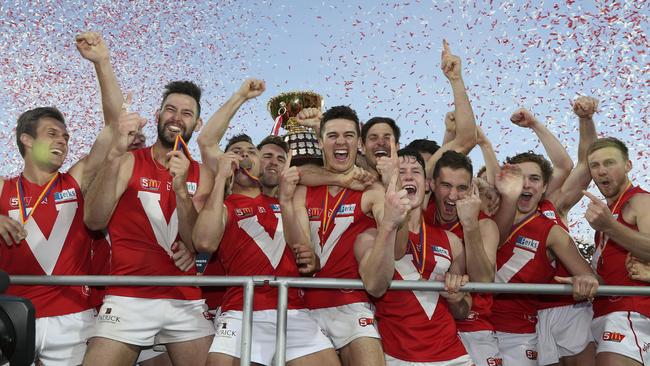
[[373, 212]]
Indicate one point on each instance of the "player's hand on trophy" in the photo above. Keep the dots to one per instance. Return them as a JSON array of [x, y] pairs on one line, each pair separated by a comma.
[[309, 117], [453, 283], [179, 166], [396, 205], [182, 257], [251, 88], [289, 178], [388, 166], [523, 118], [11, 231], [92, 47], [227, 164], [450, 63], [585, 107], [306, 259]]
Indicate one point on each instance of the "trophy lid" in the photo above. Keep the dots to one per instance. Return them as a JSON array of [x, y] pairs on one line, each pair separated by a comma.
[[293, 102]]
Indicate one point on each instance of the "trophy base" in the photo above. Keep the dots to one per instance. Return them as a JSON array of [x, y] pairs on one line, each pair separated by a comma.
[[304, 148]]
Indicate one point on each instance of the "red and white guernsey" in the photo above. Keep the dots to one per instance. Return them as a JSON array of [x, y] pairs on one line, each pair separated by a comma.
[[334, 240], [547, 209], [417, 326], [143, 228], [609, 262], [214, 295], [478, 318], [522, 259], [253, 244], [57, 243]]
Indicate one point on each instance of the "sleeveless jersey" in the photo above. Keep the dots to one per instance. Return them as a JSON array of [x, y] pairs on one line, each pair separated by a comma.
[[57, 243], [547, 209], [335, 247], [417, 326], [253, 244], [522, 259], [143, 228], [478, 317], [610, 265], [100, 262]]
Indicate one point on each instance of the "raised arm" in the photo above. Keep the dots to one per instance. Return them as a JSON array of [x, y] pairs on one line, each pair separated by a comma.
[[213, 218], [292, 197], [212, 133], [509, 182], [179, 166], [491, 162], [562, 163], [374, 249], [571, 191]]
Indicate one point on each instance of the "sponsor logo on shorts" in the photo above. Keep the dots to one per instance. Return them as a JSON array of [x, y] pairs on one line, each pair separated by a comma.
[[107, 317], [366, 321], [613, 337], [150, 184], [208, 315], [527, 243], [494, 361], [223, 331], [66, 195], [531, 355], [244, 212]]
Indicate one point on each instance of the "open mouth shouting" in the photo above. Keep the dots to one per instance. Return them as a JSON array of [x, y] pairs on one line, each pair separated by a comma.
[[341, 155], [57, 152], [381, 152], [411, 189]]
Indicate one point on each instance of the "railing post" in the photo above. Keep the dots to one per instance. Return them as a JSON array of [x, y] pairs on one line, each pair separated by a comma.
[[247, 323], [281, 324]]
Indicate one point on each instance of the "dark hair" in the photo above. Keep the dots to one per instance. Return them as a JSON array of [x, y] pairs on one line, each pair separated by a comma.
[[238, 138], [604, 142], [481, 171], [414, 153], [274, 140], [339, 111], [375, 120], [454, 160], [424, 145], [29, 120], [530, 157], [184, 87]]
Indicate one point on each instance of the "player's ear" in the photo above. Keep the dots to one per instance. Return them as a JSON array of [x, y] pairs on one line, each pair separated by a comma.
[[26, 139], [199, 124], [628, 166]]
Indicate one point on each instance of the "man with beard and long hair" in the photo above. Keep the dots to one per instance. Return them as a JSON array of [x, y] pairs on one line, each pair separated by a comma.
[[148, 199]]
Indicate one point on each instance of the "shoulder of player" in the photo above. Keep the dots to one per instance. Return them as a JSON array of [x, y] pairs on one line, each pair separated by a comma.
[[455, 243], [375, 189], [636, 205]]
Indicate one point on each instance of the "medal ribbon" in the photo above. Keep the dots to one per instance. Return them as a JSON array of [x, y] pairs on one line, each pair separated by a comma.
[[179, 144], [276, 126], [420, 256], [326, 219], [20, 192], [521, 224], [603, 239]]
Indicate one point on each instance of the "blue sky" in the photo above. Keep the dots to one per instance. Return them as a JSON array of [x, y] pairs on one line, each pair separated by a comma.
[[382, 58]]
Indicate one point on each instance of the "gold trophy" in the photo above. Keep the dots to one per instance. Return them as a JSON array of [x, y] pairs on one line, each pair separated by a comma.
[[302, 140]]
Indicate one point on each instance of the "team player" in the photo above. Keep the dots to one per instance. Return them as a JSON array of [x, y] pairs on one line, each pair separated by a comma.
[[564, 325], [417, 327], [148, 199], [621, 325], [330, 218], [525, 257]]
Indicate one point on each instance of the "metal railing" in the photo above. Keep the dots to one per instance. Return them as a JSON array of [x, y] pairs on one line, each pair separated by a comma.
[[283, 284]]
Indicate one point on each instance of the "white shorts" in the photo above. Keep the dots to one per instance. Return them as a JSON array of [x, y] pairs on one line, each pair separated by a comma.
[[304, 336], [460, 361], [145, 322], [61, 340], [482, 347], [343, 324], [624, 332], [518, 349], [563, 331]]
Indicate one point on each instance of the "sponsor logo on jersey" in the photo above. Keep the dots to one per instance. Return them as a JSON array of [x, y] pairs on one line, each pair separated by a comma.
[[261, 209], [550, 214], [531, 354], [314, 212], [613, 337], [440, 251], [472, 316], [347, 209], [527, 243], [223, 331], [66, 195], [244, 212], [191, 187], [149, 184], [366, 321], [275, 207], [494, 361]]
